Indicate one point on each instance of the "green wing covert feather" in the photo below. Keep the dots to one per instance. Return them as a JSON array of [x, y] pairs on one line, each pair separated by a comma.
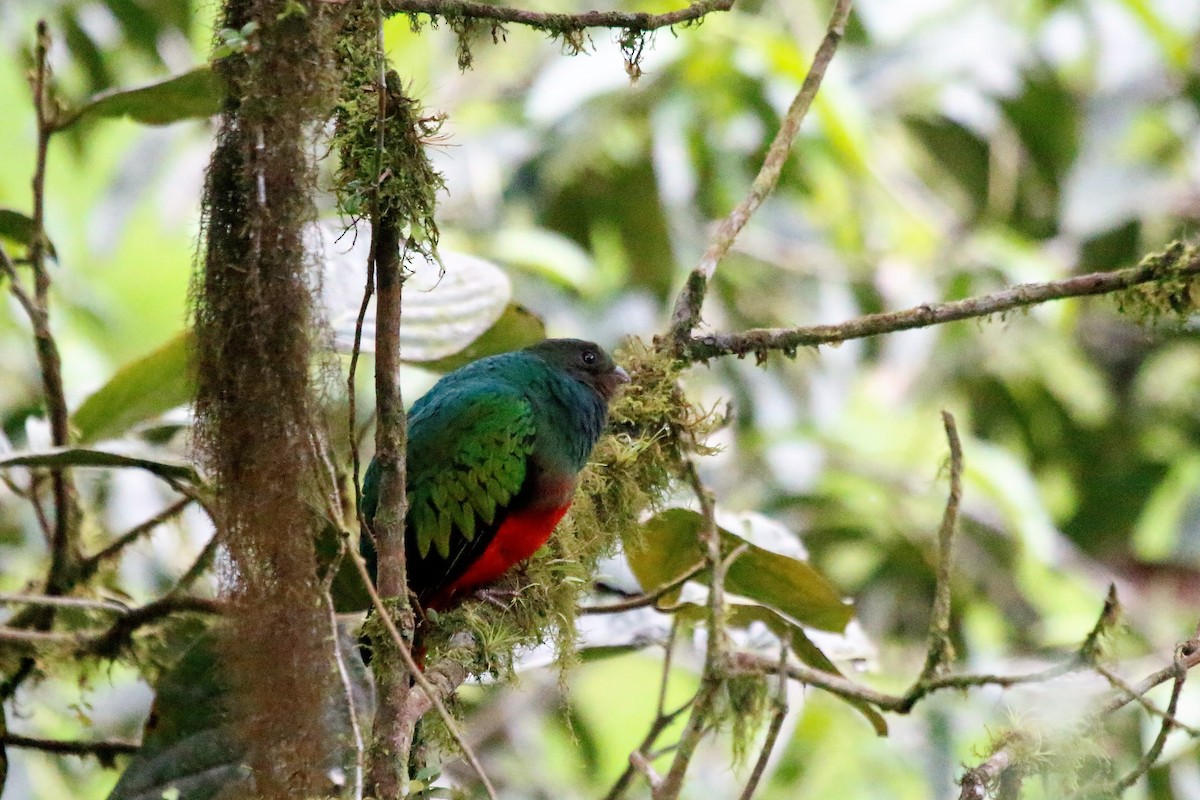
[[467, 458]]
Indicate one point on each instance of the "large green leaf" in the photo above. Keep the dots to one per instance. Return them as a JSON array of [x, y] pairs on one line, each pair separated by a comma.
[[159, 381], [141, 390], [197, 93], [669, 544], [190, 750], [63, 457]]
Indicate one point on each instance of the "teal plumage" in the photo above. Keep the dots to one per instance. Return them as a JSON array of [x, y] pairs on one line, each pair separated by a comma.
[[494, 451]]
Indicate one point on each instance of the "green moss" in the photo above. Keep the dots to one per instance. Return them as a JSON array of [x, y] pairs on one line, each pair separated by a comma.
[[1171, 295], [396, 180]]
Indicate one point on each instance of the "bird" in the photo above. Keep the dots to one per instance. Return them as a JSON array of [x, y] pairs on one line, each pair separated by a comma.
[[495, 449]]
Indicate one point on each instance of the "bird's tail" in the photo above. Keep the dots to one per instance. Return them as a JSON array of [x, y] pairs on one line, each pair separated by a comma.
[[418, 648]]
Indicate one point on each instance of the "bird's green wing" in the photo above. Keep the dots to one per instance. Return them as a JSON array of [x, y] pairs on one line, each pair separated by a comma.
[[468, 453]]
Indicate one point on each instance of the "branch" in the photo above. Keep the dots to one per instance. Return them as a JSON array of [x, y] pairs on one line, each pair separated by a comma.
[[976, 781], [120, 634], [940, 650], [1120, 684], [661, 720], [750, 663], [387, 767], [1188, 657], [713, 673], [89, 565], [109, 642], [1177, 261], [49, 361], [556, 23], [686, 314], [104, 751], [1164, 730], [647, 599]]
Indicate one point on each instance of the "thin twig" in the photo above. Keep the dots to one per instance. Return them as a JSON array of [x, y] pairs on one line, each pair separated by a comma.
[[356, 437], [105, 751], [759, 341], [686, 314], [347, 687], [648, 599], [1164, 730], [1189, 656], [107, 643], [89, 564], [558, 23], [49, 361], [661, 718], [750, 663], [940, 650], [976, 781], [63, 602], [1120, 684]]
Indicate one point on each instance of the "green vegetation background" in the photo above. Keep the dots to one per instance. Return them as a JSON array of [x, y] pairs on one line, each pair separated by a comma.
[[957, 147]]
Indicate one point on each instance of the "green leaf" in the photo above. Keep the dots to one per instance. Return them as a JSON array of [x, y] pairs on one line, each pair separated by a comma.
[[159, 381], [517, 327], [193, 94], [190, 748], [669, 544], [141, 390], [85, 457], [742, 615], [18, 228]]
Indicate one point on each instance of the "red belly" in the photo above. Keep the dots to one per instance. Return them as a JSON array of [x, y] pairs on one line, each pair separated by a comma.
[[518, 538]]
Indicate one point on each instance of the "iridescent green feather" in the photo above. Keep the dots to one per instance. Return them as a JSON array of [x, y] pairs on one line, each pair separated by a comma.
[[487, 437]]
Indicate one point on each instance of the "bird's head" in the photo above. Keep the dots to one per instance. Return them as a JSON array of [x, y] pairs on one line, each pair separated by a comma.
[[584, 361]]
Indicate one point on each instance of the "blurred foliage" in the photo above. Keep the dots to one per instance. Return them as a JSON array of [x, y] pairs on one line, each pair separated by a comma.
[[957, 147]]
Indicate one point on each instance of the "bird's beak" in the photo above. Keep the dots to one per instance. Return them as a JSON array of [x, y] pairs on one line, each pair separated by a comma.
[[621, 375]]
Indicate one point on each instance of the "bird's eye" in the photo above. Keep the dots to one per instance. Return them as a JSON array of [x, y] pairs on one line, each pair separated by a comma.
[[589, 357]]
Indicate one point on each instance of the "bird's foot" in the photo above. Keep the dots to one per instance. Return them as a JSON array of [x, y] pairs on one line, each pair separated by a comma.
[[500, 598]]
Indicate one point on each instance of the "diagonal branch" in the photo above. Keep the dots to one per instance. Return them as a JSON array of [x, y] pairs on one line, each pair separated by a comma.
[[686, 315], [89, 565], [647, 599], [1175, 262]]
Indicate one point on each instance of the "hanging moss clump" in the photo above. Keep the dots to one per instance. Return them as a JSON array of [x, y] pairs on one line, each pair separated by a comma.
[[254, 314]]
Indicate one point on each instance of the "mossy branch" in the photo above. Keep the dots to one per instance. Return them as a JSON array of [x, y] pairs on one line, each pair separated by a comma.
[[1175, 270], [557, 24]]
